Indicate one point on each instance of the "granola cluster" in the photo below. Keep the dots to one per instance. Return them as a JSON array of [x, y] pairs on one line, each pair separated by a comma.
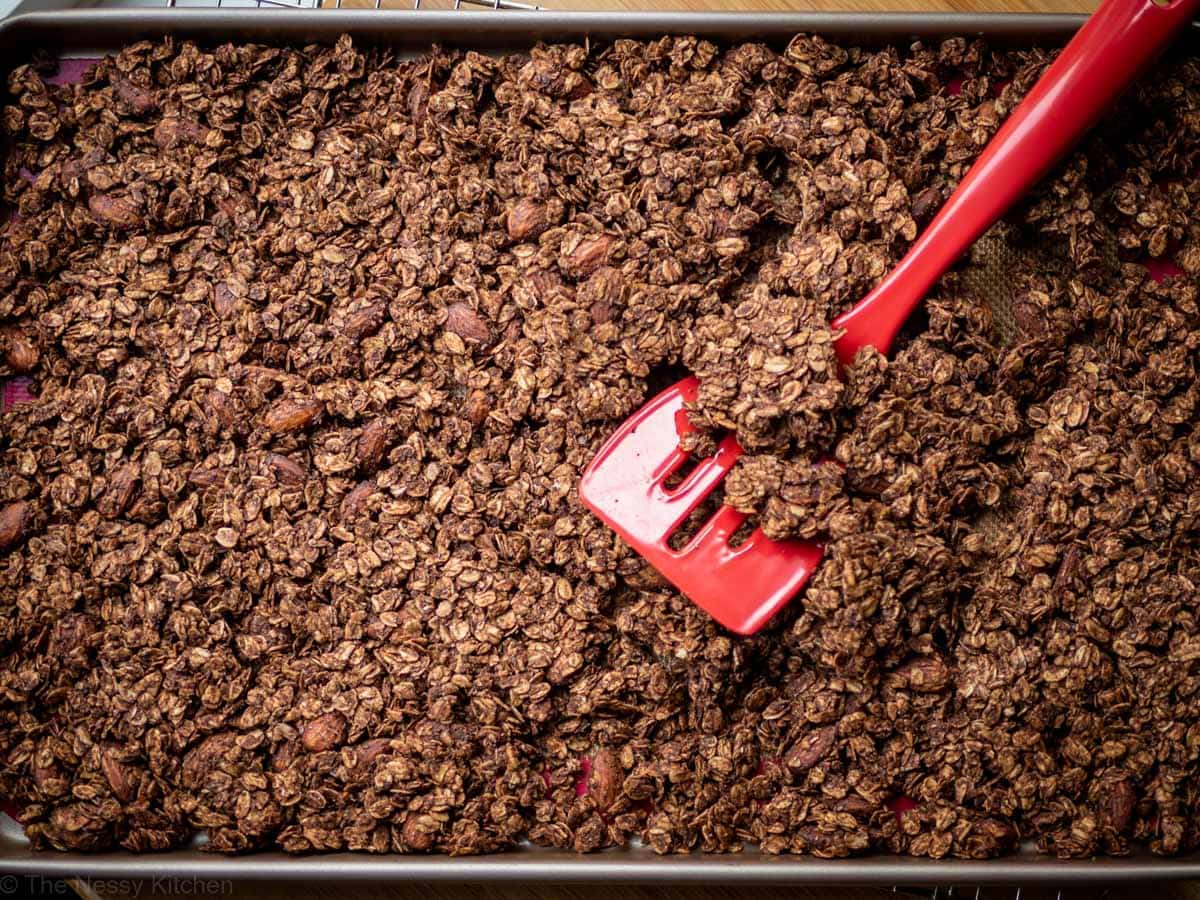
[[321, 340]]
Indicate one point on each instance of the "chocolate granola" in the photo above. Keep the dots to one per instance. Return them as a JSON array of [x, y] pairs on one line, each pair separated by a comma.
[[321, 340]]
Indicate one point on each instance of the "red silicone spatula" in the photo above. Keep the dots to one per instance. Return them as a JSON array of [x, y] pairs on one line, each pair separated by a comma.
[[743, 587]]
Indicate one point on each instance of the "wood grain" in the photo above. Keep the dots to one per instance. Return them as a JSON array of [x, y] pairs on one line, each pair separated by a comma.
[[320, 891], [147, 890]]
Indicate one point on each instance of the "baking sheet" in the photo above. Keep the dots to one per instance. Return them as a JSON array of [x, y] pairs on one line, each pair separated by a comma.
[[88, 33]]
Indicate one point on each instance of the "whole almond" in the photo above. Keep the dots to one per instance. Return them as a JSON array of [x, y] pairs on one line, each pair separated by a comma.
[[479, 404], [365, 322], [119, 494], [926, 674], [466, 323], [355, 502], [604, 294], [114, 211], [119, 776], [373, 443], [20, 353], [925, 204], [605, 779], [285, 754], [324, 732], [1069, 568], [290, 415], [417, 831], [810, 749], [602, 311], [1117, 803], [221, 411], [857, 806], [819, 843], [589, 255], [1028, 316], [14, 517], [207, 757], [286, 470], [527, 219], [418, 102], [206, 477], [547, 285]]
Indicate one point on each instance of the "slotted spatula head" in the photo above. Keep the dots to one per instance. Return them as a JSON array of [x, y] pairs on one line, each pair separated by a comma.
[[741, 587]]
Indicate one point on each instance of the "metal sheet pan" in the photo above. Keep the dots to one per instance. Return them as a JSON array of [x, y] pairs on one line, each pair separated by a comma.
[[44, 24]]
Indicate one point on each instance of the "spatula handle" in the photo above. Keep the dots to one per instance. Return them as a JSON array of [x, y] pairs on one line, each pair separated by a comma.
[[1120, 39]]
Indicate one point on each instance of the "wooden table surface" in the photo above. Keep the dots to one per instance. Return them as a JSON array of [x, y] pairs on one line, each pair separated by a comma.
[[250, 891], [316, 891]]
